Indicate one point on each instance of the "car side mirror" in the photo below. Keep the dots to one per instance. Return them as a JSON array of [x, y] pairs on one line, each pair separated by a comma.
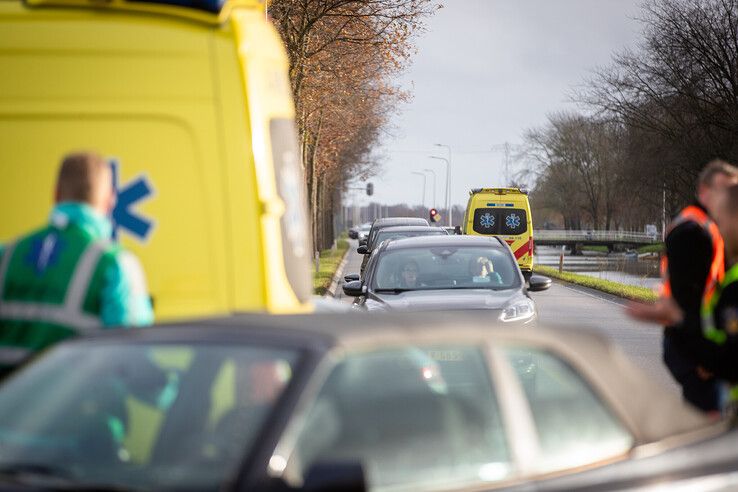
[[353, 288], [538, 283], [362, 250], [351, 277]]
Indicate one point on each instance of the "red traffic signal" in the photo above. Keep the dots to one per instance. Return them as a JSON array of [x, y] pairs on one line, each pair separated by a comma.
[[434, 216]]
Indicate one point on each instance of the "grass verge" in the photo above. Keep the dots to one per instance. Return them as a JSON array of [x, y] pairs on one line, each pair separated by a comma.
[[598, 249], [329, 261], [632, 292], [652, 248]]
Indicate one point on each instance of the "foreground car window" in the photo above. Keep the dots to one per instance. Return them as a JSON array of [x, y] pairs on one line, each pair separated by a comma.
[[574, 426], [445, 268], [143, 416], [417, 417]]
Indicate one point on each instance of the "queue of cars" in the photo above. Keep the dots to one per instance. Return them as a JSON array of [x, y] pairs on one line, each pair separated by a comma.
[[441, 272]]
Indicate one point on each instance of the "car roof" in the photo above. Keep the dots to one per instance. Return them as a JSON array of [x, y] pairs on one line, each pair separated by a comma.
[[388, 221], [440, 241], [413, 228], [651, 411]]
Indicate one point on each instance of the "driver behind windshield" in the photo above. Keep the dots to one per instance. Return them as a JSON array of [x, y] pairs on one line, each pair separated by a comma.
[[409, 275]]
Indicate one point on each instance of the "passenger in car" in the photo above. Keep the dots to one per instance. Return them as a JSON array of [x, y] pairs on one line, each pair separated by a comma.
[[482, 271]]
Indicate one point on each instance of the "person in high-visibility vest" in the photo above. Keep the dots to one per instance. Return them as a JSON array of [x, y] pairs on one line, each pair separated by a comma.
[[693, 264], [68, 278], [716, 350]]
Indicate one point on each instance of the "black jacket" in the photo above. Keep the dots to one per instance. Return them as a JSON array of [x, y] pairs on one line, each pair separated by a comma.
[[689, 253]]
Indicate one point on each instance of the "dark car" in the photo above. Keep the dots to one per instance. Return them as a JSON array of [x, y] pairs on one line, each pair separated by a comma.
[[360, 231], [447, 273], [413, 402], [399, 232], [379, 224]]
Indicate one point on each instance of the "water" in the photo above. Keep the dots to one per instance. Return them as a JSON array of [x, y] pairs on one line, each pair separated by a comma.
[[616, 267]]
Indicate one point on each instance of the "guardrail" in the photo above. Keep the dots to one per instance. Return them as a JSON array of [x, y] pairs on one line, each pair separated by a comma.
[[594, 236]]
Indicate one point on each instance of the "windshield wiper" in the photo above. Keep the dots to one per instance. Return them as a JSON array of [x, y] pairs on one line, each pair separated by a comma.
[[54, 478], [391, 291]]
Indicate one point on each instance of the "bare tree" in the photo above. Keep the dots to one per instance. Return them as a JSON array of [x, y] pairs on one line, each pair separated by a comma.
[[343, 56], [679, 90]]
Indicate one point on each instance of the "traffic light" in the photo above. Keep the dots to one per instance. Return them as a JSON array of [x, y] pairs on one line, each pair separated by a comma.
[[370, 189], [434, 215]]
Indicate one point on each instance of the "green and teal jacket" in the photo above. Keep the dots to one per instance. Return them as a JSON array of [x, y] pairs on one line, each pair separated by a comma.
[[65, 279]]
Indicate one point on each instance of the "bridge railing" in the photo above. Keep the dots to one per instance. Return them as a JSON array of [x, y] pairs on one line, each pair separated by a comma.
[[585, 236]]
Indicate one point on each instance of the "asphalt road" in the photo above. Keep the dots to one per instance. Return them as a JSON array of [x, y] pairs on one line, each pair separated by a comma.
[[584, 307]]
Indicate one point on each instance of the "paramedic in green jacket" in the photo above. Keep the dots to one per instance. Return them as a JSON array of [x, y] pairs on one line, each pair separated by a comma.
[[67, 278]]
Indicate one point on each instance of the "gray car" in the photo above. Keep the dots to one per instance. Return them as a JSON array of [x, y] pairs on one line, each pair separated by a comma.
[[436, 273], [371, 241], [325, 402]]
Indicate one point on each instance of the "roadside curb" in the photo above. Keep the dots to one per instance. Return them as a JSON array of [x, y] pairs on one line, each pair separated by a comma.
[[608, 290], [331, 291], [605, 296]]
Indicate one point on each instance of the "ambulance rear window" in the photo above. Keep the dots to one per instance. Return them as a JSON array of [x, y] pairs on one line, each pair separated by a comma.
[[500, 221]]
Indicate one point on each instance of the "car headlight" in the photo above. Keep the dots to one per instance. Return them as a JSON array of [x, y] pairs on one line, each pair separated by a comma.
[[520, 310]]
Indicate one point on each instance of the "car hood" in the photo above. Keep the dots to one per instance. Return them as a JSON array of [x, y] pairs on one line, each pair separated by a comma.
[[445, 299]]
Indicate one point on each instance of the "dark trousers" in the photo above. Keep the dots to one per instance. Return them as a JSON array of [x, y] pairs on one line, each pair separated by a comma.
[[703, 394]]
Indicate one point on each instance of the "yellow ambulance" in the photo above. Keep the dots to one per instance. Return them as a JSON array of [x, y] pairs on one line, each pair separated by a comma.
[[503, 212], [191, 103]]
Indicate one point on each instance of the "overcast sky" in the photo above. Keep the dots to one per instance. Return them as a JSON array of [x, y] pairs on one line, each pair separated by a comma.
[[485, 72]]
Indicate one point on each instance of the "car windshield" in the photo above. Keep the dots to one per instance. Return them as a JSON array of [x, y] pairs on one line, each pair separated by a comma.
[[152, 417], [384, 235], [445, 268]]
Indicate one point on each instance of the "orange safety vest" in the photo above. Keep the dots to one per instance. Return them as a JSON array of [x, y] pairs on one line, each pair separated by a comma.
[[717, 266]]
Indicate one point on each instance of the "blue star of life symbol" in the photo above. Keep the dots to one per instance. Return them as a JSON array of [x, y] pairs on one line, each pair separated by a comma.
[[487, 220], [512, 221], [124, 217]]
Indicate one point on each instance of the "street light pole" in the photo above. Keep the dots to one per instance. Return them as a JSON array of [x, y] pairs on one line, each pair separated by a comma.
[[425, 177], [445, 200], [448, 181], [435, 203]]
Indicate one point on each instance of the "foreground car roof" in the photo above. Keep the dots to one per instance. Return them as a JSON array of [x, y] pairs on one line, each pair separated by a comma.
[[650, 411]]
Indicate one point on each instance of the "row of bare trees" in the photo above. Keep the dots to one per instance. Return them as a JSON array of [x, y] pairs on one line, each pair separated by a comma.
[[652, 119], [344, 55]]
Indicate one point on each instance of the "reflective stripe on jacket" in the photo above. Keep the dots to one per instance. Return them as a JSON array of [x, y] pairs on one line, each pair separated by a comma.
[[709, 329]]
